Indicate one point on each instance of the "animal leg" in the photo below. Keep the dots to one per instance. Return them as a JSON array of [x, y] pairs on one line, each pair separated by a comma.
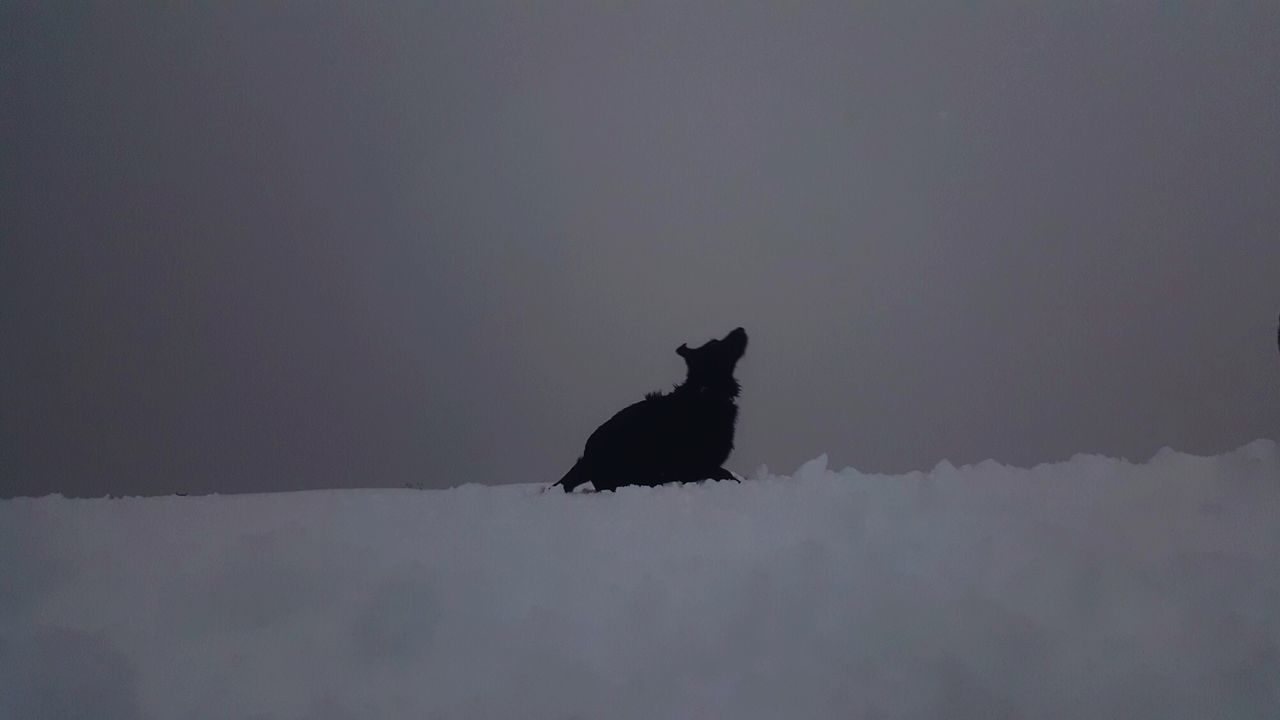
[[721, 474]]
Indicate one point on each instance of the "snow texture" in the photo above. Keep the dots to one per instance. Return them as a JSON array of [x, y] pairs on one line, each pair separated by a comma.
[[1094, 588]]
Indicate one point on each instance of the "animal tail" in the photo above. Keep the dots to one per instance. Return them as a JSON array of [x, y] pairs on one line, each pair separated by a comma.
[[572, 479]]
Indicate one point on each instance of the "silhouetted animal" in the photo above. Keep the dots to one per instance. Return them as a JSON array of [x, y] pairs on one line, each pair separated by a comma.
[[681, 436]]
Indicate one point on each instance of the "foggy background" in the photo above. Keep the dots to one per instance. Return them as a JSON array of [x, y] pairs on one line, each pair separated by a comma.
[[266, 246]]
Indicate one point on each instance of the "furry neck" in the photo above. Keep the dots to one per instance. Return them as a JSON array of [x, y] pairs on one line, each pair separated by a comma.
[[726, 388]]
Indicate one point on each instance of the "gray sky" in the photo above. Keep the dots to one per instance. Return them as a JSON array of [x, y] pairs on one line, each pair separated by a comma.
[[264, 246]]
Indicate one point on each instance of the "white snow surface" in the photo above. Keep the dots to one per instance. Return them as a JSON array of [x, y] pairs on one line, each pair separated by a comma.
[[1093, 588]]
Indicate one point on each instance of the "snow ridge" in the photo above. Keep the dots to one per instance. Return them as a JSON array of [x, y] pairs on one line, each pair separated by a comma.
[[1089, 588]]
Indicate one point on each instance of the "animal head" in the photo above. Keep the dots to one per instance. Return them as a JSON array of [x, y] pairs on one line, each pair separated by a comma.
[[712, 364]]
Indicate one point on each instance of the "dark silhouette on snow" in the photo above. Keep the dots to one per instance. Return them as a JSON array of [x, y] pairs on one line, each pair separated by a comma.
[[682, 436]]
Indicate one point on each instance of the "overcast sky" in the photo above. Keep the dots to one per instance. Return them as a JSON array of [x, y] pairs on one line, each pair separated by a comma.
[[256, 246]]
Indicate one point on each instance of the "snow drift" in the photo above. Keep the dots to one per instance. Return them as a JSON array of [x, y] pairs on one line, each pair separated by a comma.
[[1090, 588]]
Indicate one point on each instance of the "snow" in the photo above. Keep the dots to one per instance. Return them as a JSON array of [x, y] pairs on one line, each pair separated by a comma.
[[1086, 589]]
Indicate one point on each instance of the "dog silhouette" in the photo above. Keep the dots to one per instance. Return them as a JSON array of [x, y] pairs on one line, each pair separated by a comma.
[[681, 436]]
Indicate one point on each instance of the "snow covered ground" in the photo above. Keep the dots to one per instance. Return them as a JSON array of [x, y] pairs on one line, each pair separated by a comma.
[[1093, 588]]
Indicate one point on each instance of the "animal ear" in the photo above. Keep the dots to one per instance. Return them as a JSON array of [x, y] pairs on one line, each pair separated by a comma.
[[683, 350]]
